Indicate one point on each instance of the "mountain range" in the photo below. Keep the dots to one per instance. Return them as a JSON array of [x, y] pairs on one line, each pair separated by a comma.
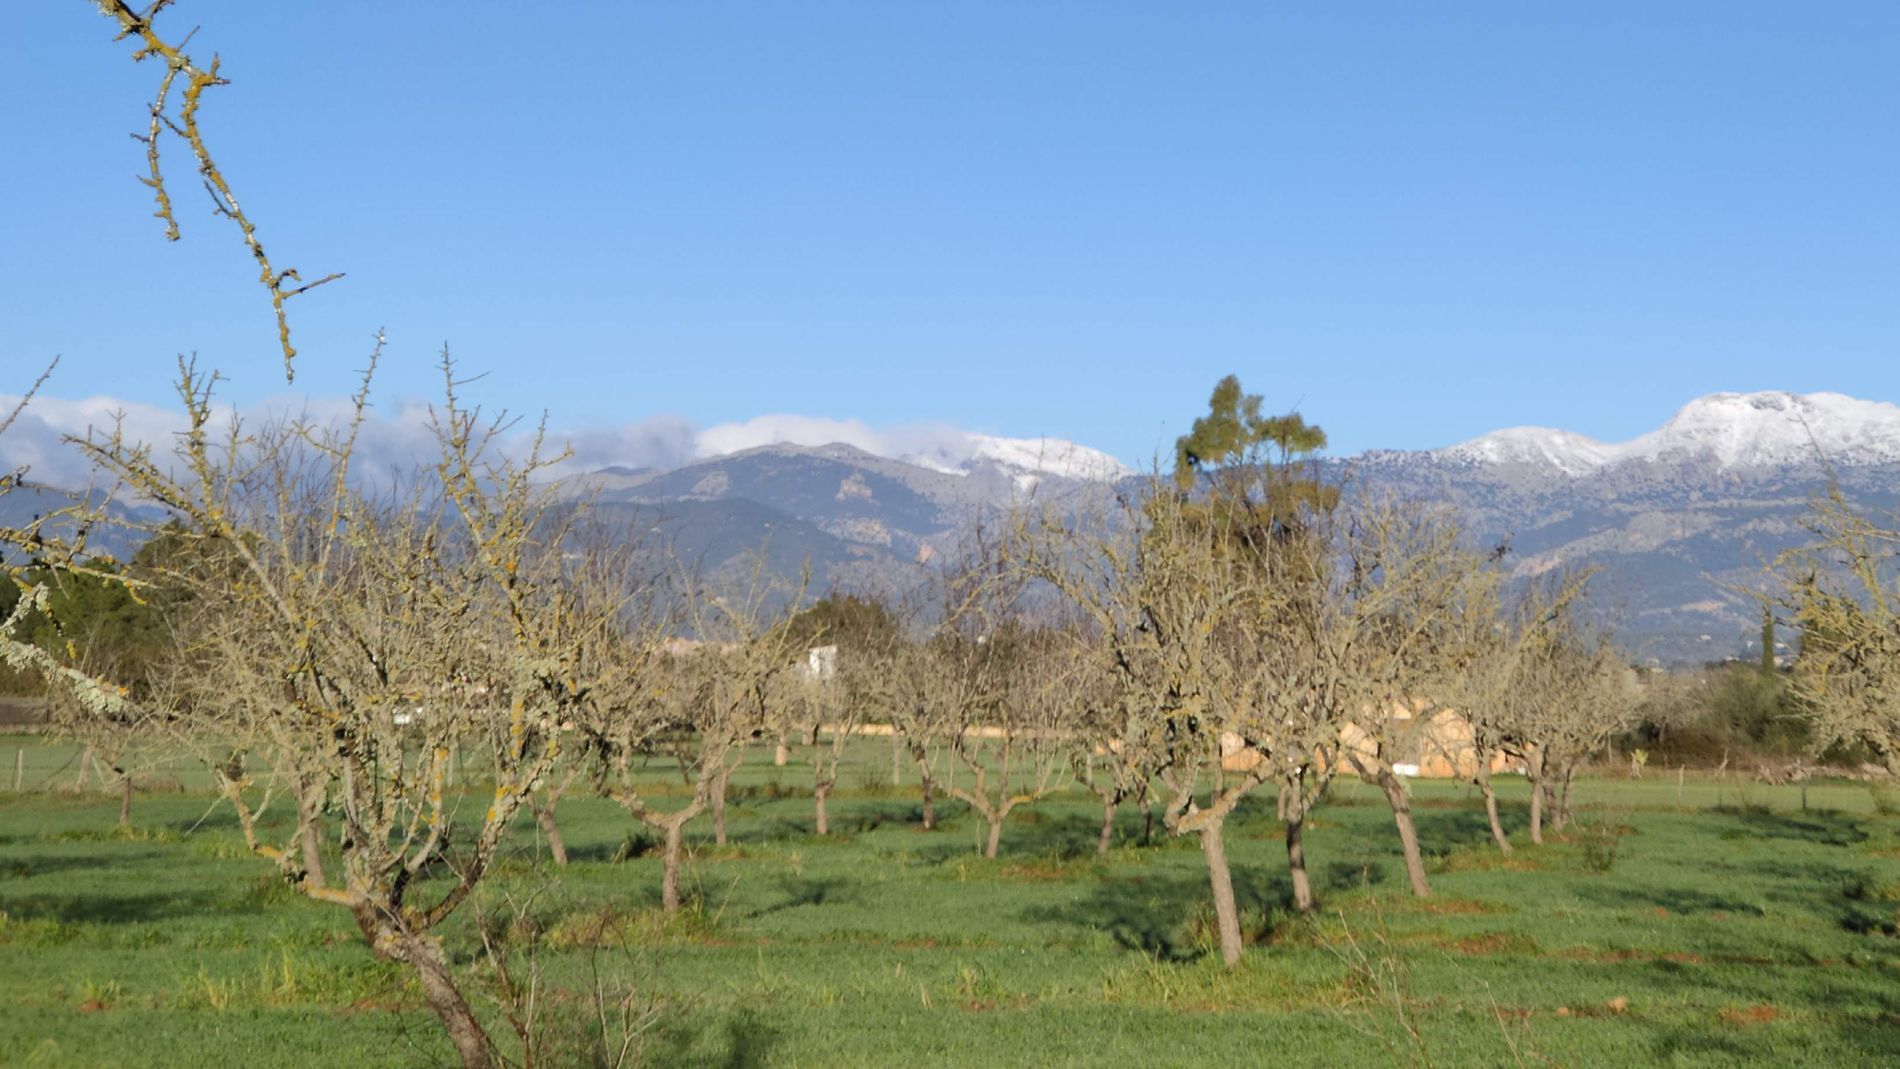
[[1681, 522]]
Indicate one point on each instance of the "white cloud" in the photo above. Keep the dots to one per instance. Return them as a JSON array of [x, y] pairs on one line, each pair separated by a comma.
[[910, 440], [36, 440]]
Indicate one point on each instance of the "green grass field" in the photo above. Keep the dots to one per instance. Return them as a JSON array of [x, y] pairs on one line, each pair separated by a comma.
[[1711, 925]]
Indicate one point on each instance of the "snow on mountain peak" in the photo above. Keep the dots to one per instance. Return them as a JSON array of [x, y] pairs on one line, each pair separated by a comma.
[[1735, 430], [1048, 456], [1025, 460], [1572, 454], [1742, 430]]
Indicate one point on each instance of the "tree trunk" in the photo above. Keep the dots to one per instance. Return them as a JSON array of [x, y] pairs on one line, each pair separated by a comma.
[[1408, 835], [544, 816], [1563, 799], [85, 769], [670, 874], [996, 836], [1108, 828], [424, 955], [1491, 811], [782, 754], [818, 796], [125, 799], [719, 807], [1296, 860], [311, 839], [897, 758], [1537, 801], [1221, 882], [930, 803]]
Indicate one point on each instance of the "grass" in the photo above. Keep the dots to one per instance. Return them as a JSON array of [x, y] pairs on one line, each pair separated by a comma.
[[1707, 931]]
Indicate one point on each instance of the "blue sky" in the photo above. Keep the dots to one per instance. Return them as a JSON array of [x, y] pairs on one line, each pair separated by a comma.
[[1414, 222]]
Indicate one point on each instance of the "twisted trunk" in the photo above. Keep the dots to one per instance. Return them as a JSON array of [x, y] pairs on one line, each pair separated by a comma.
[[1109, 805], [1491, 811], [1296, 859], [424, 954], [928, 784], [719, 807], [1221, 883], [670, 872], [310, 839], [1408, 835], [1535, 768]]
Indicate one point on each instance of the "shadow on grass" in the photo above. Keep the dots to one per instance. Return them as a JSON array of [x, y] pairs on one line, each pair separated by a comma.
[[1157, 916], [796, 891], [747, 1043], [1827, 829], [1440, 831], [22, 867], [1699, 1042], [1877, 1035], [1681, 900], [87, 908]]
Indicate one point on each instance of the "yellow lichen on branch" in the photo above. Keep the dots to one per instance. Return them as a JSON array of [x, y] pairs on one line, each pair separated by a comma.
[[139, 25]]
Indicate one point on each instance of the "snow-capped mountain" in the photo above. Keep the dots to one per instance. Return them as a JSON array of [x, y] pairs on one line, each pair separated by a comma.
[[1026, 459], [1731, 430], [1682, 521]]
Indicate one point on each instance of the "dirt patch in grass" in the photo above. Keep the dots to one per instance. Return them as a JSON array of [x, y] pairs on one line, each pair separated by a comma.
[[1621, 955], [1457, 907], [1760, 1013], [1487, 859], [1490, 943], [1045, 870]]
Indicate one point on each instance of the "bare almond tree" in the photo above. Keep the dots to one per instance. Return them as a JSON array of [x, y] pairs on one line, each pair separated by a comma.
[[350, 643], [900, 675], [812, 705], [1163, 586], [1111, 753], [710, 696], [983, 662], [840, 683], [1843, 592], [1498, 671], [1575, 692], [1401, 572]]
